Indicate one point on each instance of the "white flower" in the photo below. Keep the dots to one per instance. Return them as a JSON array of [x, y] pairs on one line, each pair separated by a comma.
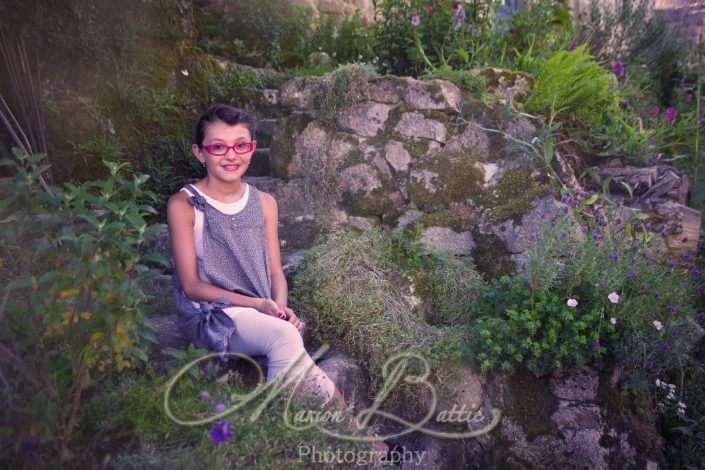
[[614, 297], [658, 383], [658, 325], [572, 303], [185, 72], [613, 320]]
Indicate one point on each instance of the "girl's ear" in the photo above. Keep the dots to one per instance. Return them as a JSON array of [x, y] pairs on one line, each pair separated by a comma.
[[197, 153]]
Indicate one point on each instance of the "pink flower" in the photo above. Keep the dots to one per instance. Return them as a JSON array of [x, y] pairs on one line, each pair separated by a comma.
[[365, 21], [573, 46], [671, 114], [572, 303], [415, 21], [613, 320], [657, 324], [614, 297], [655, 110], [618, 68]]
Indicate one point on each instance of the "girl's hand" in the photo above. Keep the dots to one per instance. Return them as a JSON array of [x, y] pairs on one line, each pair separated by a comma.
[[270, 307], [294, 320]]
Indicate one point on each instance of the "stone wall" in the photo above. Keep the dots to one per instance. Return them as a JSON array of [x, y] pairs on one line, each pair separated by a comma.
[[406, 152]]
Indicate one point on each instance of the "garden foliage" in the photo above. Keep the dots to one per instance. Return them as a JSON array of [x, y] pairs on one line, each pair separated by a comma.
[[73, 307]]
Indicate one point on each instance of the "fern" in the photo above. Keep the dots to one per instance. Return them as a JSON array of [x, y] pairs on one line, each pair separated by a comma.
[[571, 82]]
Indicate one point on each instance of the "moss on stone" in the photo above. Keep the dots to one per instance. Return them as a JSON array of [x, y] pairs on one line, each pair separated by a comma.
[[515, 193], [458, 179], [493, 76], [284, 145], [453, 218], [491, 256], [532, 403]]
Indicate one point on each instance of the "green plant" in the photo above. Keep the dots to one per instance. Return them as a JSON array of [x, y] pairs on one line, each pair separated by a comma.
[[571, 82], [73, 307], [474, 83], [340, 88], [349, 295], [629, 303]]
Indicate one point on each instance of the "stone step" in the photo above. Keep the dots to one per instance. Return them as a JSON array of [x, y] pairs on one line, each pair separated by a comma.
[[265, 131], [259, 165]]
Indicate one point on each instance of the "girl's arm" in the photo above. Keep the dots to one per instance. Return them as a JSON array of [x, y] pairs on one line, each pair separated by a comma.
[[271, 231], [180, 217]]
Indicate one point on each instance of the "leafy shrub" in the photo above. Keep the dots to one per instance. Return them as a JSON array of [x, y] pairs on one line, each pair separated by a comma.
[[73, 303], [538, 329], [573, 83], [631, 304], [539, 28], [444, 35]]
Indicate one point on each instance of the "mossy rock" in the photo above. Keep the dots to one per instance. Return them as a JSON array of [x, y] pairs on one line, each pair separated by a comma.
[[281, 152], [457, 180], [491, 256]]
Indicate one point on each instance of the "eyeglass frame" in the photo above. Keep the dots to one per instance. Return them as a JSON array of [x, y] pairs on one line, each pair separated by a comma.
[[228, 147]]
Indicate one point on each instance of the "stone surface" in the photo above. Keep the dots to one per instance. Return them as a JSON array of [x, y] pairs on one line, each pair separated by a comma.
[[296, 93], [319, 58], [576, 384], [348, 376], [364, 119], [359, 178], [446, 239], [170, 338], [386, 90], [397, 156], [417, 126], [433, 94], [471, 138]]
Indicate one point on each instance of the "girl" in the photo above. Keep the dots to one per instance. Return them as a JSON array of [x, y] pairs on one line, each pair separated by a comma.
[[229, 285]]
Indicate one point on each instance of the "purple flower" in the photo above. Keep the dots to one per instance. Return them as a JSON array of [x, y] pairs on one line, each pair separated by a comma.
[[613, 256], [648, 264], [655, 110], [596, 236], [688, 97], [570, 253], [671, 264], [584, 229], [600, 284], [596, 344], [666, 347], [458, 17], [533, 235], [415, 21], [558, 282], [221, 432], [671, 309], [218, 407], [671, 114], [675, 332], [700, 316], [618, 68], [205, 395], [644, 287], [650, 364], [633, 275], [573, 46]]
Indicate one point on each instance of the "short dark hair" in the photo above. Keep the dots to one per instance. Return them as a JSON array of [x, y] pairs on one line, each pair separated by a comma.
[[229, 115]]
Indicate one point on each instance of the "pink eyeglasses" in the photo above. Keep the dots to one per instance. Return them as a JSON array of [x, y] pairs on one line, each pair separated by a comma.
[[219, 150]]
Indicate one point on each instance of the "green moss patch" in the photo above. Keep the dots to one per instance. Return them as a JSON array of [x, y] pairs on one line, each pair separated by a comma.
[[283, 145], [458, 179], [491, 256]]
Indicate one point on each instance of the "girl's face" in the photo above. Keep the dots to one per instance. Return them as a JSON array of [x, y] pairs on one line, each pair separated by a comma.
[[231, 166]]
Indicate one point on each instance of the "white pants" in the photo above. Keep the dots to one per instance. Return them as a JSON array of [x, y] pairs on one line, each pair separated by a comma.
[[259, 334]]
